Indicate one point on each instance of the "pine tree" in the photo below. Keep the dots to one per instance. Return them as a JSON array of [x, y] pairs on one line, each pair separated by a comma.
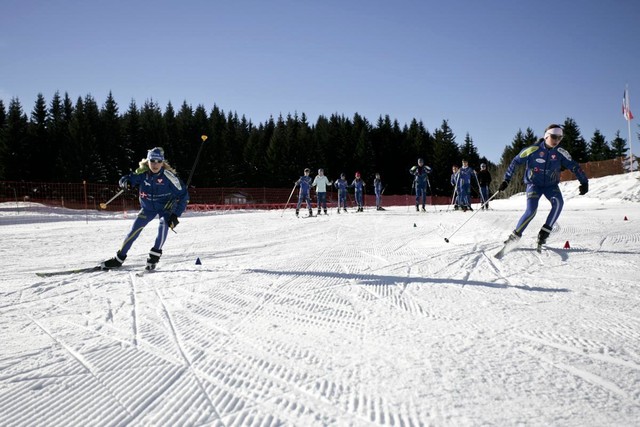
[[38, 143], [111, 143], [619, 146], [446, 154], [279, 165], [131, 136], [3, 140], [18, 158], [469, 152], [58, 129], [598, 148], [573, 142]]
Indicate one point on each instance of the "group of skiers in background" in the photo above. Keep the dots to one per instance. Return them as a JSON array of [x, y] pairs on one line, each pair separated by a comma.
[[461, 180], [321, 182], [163, 194]]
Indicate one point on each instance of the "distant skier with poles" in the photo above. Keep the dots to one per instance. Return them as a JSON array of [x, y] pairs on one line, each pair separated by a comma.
[[465, 185], [358, 185], [484, 179], [543, 162], [455, 183], [321, 182], [420, 183], [377, 188], [341, 184], [303, 194], [161, 194]]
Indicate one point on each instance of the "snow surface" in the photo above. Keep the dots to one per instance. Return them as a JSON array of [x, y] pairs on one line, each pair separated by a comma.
[[354, 319]]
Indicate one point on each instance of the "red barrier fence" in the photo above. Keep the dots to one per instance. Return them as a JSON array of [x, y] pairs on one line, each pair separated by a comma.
[[89, 196], [597, 169]]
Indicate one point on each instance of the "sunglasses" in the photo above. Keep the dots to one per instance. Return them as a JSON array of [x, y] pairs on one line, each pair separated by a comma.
[[555, 137], [155, 161]]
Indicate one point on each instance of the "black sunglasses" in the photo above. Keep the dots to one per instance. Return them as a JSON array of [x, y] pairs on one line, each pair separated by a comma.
[[555, 137], [155, 161]]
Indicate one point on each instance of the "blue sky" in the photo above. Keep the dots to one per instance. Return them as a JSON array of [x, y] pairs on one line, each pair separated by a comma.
[[489, 67]]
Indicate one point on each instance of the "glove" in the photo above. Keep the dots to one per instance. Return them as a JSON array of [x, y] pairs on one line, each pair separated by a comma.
[[173, 221], [124, 183], [584, 188], [503, 186]]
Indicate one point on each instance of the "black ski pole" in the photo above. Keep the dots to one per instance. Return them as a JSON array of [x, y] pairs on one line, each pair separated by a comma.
[[446, 239], [193, 168]]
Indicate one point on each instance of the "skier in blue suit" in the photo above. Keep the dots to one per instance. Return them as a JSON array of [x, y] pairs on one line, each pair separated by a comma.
[[342, 185], [464, 182], [377, 188], [543, 162], [161, 194], [420, 182], [303, 195], [358, 185]]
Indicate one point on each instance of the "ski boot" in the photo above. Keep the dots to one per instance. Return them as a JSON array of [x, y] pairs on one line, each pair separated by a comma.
[[542, 237], [297, 212], [114, 262], [325, 212], [310, 212], [154, 257]]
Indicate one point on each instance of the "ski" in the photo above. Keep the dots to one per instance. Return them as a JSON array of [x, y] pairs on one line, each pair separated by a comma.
[[508, 247], [71, 271]]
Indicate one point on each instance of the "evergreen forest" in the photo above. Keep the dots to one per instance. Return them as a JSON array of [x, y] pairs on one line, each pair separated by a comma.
[[66, 141]]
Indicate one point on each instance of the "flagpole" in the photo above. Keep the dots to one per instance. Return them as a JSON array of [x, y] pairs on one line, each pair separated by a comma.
[[628, 117]]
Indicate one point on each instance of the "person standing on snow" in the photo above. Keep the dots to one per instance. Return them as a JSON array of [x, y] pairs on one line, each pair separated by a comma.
[[455, 183], [342, 185], [321, 182], [303, 195], [358, 184], [377, 187], [543, 162], [420, 181], [161, 194], [465, 185], [484, 179]]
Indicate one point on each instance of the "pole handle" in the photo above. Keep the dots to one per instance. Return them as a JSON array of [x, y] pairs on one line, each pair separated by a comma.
[[104, 205]]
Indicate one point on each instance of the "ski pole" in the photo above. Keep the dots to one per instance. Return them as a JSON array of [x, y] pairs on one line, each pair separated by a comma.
[[104, 205], [193, 168], [290, 195], [479, 190], [446, 239]]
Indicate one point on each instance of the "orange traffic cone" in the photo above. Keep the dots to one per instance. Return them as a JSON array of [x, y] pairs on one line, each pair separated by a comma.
[[566, 245]]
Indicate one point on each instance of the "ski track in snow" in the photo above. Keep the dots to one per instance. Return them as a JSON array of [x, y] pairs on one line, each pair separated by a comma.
[[360, 319]]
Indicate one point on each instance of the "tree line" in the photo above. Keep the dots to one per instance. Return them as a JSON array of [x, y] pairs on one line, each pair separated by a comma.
[[66, 141]]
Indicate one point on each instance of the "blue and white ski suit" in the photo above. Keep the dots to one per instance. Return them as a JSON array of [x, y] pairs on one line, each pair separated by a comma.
[[377, 187], [464, 185], [303, 195], [542, 175], [342, 185], [160, 195], [358, 184], [420, 183]]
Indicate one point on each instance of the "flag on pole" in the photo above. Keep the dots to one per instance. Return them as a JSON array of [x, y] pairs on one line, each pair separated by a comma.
[[626, 111]]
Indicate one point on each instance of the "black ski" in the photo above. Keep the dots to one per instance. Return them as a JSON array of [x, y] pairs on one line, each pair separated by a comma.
[[71, 271]]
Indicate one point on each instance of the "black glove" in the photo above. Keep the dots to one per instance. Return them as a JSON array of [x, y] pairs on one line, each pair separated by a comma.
[[584, 188], [173, 221], [503, 186], [124, 183]]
